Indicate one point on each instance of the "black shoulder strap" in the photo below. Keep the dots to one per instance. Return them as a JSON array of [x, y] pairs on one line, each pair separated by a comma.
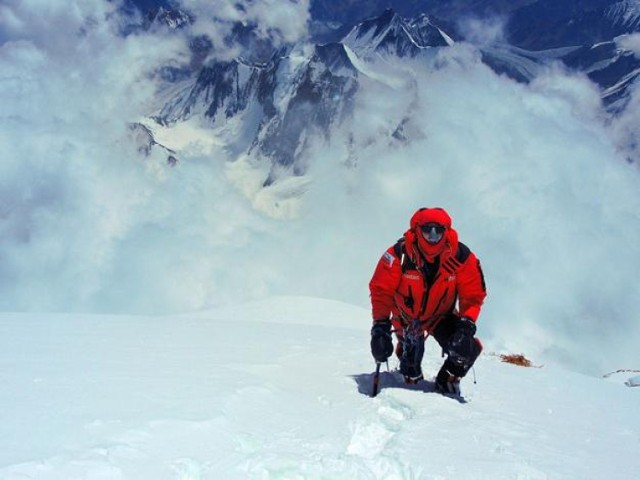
[[454, 263], [398, 248], [401, 252], [463, 252]]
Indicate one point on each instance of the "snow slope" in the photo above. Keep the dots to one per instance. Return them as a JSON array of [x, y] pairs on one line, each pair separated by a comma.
[[277, 389]]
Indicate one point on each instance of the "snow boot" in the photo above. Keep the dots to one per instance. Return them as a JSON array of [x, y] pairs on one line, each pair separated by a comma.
[[447, 383], [412, 373], [412, 352]]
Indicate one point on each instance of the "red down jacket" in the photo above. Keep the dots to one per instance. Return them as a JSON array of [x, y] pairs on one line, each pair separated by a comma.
[[415, 281]]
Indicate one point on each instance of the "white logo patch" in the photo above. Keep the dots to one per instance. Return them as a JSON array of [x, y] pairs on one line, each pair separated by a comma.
[[387, 257]]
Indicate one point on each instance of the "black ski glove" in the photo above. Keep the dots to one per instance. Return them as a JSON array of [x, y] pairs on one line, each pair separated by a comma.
[[461, 347], [381, 344]]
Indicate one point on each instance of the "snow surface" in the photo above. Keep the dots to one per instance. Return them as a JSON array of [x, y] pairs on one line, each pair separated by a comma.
[[278, 389]]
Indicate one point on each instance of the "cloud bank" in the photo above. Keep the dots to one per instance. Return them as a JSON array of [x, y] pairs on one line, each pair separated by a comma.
[[535, 185]]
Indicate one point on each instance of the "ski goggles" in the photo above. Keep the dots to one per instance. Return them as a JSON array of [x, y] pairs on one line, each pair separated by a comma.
[[432, 232]]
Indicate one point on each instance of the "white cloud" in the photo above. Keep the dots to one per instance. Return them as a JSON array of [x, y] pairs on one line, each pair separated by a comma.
[[629, 42], [287, 18], [53, 26], [483, 31], [535, 186], [279, 21]]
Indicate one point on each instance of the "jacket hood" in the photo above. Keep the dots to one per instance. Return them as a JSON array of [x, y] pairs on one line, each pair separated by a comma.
[[430, 215], [417, 246]]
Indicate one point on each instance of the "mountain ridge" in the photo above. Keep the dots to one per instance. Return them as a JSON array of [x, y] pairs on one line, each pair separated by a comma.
[[301, 92]]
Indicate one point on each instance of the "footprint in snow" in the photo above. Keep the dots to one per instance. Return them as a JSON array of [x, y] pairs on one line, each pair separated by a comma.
[[187, 469], [371, 435]]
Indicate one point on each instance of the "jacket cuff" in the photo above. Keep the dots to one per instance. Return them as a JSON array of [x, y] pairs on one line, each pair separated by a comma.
[[471, 313]]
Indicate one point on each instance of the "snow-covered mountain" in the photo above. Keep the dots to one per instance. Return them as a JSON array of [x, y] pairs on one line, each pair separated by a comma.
[[545, 24], [390, 34], [613, 68], [171, 17], [282, 392], [304, 92], [299, 92], [588, 31], [624, 14]]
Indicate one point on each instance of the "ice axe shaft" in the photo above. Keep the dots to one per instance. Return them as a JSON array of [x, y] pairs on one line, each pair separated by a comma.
[[376, 380]]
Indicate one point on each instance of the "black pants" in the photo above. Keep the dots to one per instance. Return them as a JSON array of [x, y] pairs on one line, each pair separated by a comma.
[[411, 352], [443, 333]]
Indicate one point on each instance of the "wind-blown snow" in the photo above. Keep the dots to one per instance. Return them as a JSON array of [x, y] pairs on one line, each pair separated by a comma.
[[279, 389]]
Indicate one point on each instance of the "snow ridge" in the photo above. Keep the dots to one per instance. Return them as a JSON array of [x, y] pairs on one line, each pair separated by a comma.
[[625, 14], [168, 398], [389, 33]]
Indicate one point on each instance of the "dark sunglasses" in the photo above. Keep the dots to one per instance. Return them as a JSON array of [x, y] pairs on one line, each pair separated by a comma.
[[432, 232]]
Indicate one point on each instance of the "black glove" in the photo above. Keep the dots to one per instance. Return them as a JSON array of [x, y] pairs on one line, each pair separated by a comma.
[[381, 344], [467, 325], [461, 348]]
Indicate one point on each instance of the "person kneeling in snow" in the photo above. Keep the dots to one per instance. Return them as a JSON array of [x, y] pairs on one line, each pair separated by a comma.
[[415, 288]]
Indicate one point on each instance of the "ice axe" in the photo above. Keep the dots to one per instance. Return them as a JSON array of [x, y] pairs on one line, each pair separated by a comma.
[[376, 379]]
